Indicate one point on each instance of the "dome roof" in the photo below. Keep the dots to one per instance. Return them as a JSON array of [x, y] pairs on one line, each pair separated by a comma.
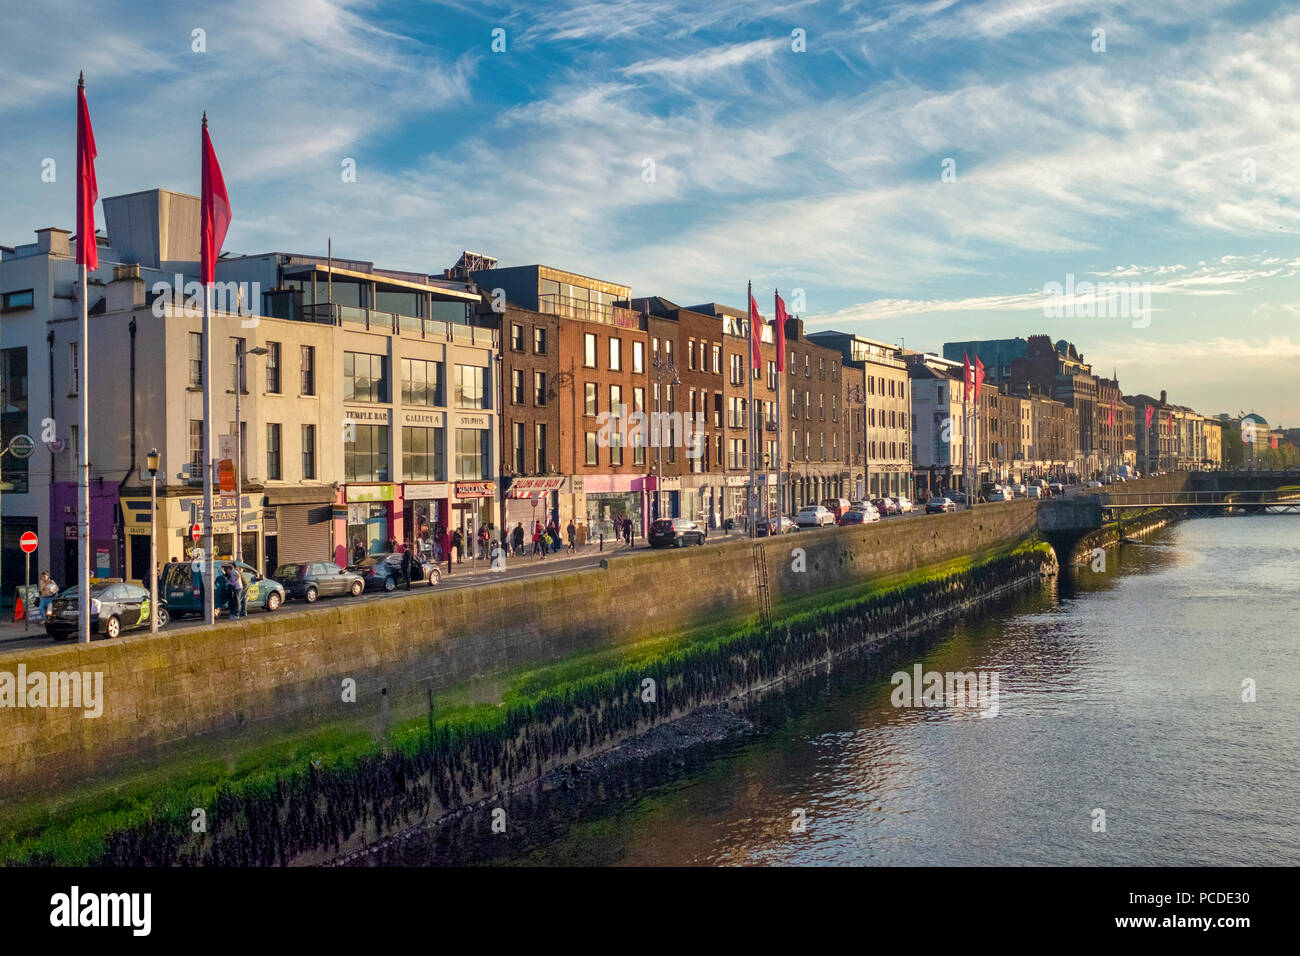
[[1252, 417]]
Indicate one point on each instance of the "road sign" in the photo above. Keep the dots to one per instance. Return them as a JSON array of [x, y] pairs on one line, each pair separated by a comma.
[[196, 531], [22, 446], [28, 542]]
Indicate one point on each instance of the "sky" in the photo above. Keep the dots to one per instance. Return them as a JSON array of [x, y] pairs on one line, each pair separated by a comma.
[[914, 172]]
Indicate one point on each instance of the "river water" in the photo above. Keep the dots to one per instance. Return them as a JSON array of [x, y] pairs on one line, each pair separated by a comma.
[[1121, 694]]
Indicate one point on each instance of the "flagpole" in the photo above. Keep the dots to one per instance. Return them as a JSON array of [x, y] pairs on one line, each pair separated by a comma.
[[83, 478], [209, 565], [753, 489], [780, 360], [83, 401]]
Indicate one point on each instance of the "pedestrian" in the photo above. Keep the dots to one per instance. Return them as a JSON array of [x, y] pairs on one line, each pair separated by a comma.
[[232, 591], [572, 532], [47, 590], [358, 551], [392, 545], [245, 585], [627, 531], [458, 545], [407, 562], [517, 539], [537, 539]]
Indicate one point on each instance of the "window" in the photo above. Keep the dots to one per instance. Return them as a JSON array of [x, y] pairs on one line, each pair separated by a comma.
[[365, 458], [23, 299], [807, 366], [592, 402], [703, 355], [539, 388], [539, 341], [517, 386], [421, 382], [307, 366], [638, 399], [589, 349], [615, 354], [517, 432], [472, 460], [309, 452], [539, 447], [690, 355], [591, 448], [422, 454], [74, 368], [273, 451], [616, 448], [737, 368], [273, 367], [365, 378], [196, 360], [470, 392], [616, 400], [239, 370], [638, 357], [516, 337], [196, 448], [717, 359]]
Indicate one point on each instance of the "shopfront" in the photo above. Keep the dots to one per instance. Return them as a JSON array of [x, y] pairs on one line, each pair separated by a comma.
[[531, 500], [298, 526], [369, 518], [612, 498], [426, 506], [472, 509], [180, 514]]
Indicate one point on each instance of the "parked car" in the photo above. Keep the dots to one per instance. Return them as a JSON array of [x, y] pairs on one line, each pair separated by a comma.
[[114, 608], [885, 506], [383, 571], [998, 495], [1037, 492], [182, 583], [814, 516], [940, 506], [675, 533], [836, 506], [858, 516], [957, 497], [781, 525], [310, 580], [903, 504]]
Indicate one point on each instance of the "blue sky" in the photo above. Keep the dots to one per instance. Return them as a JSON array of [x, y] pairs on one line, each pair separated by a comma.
[[817, 170]]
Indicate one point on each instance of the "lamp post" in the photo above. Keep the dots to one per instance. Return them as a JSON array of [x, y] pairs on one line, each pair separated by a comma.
[[239, 450], [858, 393], [152, 462]]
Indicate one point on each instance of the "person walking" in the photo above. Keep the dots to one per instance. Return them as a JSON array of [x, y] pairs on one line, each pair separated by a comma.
[[458, 545], [572, 533], [232, 591], [407, 563], [537, 539], [358, 551], [245, 585], [517, 539], [47, 591]]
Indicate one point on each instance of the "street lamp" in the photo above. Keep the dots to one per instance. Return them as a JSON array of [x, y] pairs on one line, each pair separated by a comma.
[[239, 450], [664, 370], [151, 461], [858, 393]]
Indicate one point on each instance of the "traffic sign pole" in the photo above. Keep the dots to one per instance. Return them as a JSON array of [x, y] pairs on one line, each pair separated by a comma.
[[28, 543]]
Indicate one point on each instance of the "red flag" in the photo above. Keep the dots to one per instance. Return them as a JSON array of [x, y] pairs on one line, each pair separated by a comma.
[[1151, 410], [215, 216], [979, 377], [1110, 417], [1169, 422], [87, 185], [968, 378], [1272, 441], [780, 333], [755, 332]]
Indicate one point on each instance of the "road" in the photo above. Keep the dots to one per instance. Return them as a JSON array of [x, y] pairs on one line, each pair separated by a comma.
[[14, 638]]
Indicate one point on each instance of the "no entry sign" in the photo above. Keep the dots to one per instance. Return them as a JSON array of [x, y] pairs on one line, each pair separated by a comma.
[[195, 531], [28, 542]]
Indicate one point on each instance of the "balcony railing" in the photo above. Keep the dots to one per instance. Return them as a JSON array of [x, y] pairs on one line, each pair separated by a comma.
[[586, 311], [373, 320]]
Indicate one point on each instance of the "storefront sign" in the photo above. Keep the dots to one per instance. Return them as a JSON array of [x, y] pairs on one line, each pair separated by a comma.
[[737, 481], [473, 421], [527, 487], [370, 492], [339, 512], [366, 415], [427, 419], [576, 484], [670, 483], [476, 489], [413, 491]]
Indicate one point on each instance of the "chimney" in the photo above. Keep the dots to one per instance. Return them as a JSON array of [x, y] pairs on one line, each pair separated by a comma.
[[53, 241], [126, 291], [1164, 398]]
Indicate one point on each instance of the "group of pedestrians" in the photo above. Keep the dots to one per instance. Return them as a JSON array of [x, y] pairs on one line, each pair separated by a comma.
[[544, 539]]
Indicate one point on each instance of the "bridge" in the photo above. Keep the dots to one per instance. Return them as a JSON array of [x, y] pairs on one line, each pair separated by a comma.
[[1273, 501]]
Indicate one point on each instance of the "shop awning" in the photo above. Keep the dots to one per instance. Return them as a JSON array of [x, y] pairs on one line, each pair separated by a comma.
[[534, 487]]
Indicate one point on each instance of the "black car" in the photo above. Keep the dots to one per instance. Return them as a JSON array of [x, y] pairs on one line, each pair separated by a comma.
[[940, 505], [114, 608], [675, 533], [310, 580], [383, 572]]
